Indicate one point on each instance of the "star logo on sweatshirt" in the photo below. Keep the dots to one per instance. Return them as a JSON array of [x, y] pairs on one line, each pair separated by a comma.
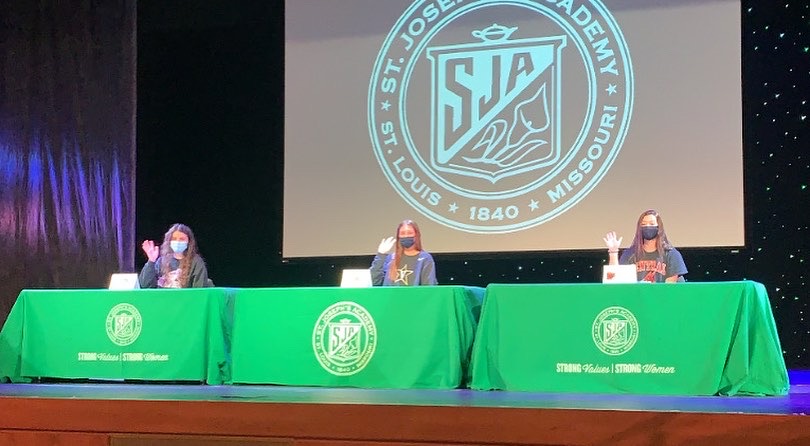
[[403, 274]]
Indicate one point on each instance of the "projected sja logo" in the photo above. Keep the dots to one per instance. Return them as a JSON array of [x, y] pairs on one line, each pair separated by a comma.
[[494, 116]]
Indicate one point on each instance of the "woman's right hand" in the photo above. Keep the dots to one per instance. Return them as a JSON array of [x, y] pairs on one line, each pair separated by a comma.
[[151, 250], [386, 244], [612, 243]]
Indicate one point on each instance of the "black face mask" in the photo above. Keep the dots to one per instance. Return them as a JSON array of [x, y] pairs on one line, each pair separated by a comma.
[[649, 232], [407, 242]]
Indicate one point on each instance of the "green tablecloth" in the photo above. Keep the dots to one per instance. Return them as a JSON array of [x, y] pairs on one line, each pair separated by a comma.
[[381, 337], [174, 335], [686, 338]]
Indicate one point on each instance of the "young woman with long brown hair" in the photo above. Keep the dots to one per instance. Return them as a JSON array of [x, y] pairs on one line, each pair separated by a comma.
[[655, 258], [408, 264], [174, 264]]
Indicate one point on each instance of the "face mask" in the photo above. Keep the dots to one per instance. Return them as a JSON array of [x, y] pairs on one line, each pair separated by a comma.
[[406, 242], [178, 247], [649, 232]]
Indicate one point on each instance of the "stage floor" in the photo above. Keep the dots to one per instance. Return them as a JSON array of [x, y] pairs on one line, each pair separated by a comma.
[[797, 402], [104, 413]]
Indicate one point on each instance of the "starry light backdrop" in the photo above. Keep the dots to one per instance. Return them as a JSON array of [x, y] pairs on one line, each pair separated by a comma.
[[222, 100]]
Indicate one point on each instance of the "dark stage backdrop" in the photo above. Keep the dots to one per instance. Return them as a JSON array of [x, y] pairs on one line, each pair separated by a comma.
[[67, 143], [210, 144]]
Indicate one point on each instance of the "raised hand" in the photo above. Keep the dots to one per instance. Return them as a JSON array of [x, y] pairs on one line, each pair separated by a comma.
[[611, 242], [151, 250], [386, 244]]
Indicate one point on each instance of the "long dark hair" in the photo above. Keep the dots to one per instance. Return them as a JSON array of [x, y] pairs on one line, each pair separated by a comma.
[[417, 243], [662, 243], [166, 253]]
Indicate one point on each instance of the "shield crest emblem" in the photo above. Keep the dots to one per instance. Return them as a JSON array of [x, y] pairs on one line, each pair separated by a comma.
[[344, 340], [495, 104], [615, 332], [123, 325]]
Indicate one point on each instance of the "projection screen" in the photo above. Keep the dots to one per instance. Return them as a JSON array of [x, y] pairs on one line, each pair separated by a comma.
[[510, 125]]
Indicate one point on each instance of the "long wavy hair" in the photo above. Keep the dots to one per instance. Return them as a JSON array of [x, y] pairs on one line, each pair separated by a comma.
[[166, 253], [417, 243], [662, 243]]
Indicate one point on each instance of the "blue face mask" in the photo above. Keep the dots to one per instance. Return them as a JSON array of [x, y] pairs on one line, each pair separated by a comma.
[[406, 242], [649, 232], [178, 247]]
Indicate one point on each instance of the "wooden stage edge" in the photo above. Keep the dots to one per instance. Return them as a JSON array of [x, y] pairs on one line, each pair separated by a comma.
[[91, 422]]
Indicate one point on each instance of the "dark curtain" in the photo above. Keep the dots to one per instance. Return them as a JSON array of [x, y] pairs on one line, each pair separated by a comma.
[[67, 143]]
